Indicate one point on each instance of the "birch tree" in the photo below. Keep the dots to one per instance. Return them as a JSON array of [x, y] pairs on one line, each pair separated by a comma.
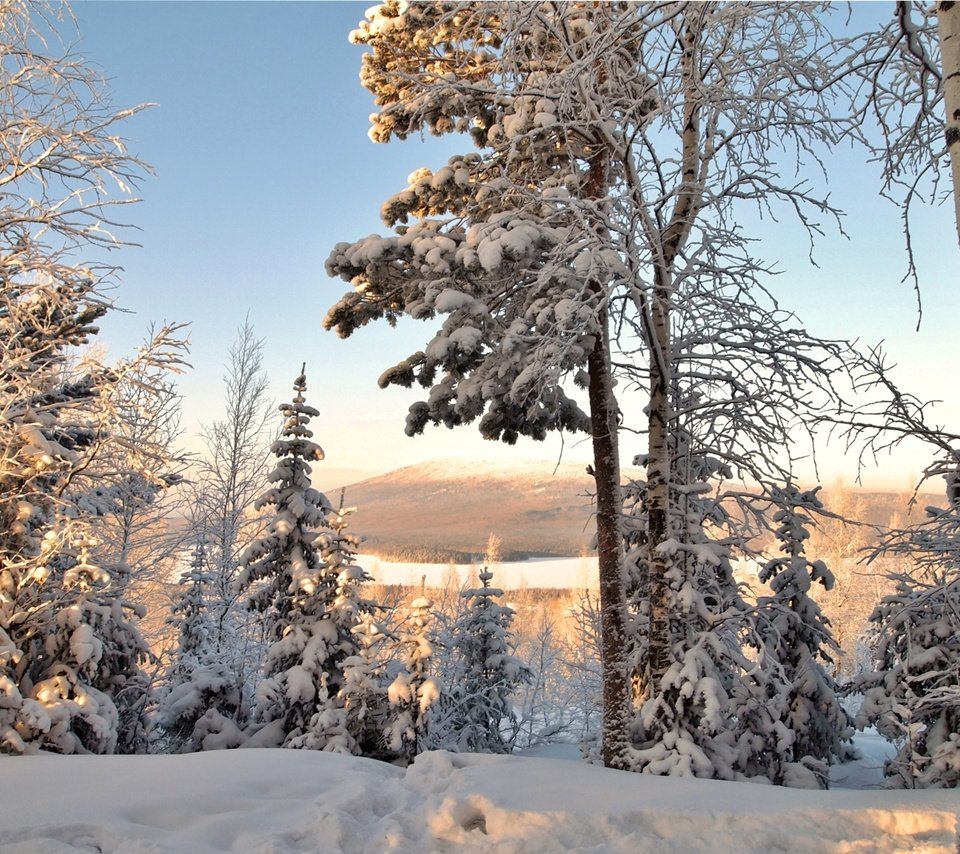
[[231, 476], [70, 648], [948, 29]]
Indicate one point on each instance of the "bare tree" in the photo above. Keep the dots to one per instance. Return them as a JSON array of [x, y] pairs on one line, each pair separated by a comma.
[[232, 473], [902, 82]]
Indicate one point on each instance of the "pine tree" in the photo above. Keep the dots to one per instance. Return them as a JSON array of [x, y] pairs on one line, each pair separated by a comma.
[[476, 702], [507, 244], [799, 642]]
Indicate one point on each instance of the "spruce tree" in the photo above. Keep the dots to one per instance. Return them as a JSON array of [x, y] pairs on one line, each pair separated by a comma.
[[911, 693], [199, 684], [485, 673], [341, 724], [303, 577], [284, 575], [413, 690], [798, 641], [696, 720]]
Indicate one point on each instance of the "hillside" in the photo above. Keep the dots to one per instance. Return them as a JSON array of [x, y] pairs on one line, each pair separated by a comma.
[[447, 509], [450, 508]]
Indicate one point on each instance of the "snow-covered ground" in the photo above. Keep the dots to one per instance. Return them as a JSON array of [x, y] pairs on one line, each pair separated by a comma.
[[564, 572], [282, 801], [577, 573]]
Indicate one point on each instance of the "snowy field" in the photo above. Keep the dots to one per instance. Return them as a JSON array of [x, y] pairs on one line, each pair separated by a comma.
[[576, 573], [564, 572], [281, 801]]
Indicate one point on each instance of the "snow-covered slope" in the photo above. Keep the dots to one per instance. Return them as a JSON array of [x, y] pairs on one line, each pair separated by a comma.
[[535, 506], [455, 504], [303, 801]]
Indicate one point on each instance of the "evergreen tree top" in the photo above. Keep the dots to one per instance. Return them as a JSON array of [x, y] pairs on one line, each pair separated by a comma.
[[295, 436]]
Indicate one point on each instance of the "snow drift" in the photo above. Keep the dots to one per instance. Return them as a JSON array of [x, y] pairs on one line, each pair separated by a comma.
[[299, 801]]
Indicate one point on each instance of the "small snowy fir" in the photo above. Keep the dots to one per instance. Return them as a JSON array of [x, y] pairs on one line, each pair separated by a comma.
[[475, 712]]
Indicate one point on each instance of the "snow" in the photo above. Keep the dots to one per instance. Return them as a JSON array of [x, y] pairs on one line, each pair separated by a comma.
[[578, 573], [299, 800]]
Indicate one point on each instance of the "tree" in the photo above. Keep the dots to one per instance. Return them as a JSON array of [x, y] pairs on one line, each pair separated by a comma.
[[489, 276], [351, 635], [137, 528], [799, 640], [413, 689], [230, 478], [910, 690], [902, 84], [615, 144], [71, 653], [199, 685], [283, 572], [710, 714], [485, 674], [948, 27], [911, 693]]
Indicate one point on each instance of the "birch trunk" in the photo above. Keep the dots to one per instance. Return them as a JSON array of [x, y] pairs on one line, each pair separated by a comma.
[[688, 202], [948, 24], [658, 489]]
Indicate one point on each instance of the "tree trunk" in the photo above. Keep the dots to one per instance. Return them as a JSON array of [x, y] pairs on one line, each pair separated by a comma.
[[658, 488], [606, 471], [948, 24], [689, 200]]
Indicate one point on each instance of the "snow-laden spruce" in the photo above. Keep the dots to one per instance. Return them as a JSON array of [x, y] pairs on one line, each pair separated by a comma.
[[798, 639], [708, 715], [413, 689], [912, 691], [475, 712], [199, 684], [302, 577]]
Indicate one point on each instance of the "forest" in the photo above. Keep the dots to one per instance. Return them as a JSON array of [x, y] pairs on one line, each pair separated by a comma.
[[584, 267]]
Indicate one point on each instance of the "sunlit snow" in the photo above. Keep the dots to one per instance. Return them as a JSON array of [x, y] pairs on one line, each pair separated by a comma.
[[302, 800]]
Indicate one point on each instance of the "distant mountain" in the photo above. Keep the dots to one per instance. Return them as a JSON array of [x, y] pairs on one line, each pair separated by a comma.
[[448, 508]]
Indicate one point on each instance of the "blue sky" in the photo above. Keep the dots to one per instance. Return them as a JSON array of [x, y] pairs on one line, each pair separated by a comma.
[[262, 163]]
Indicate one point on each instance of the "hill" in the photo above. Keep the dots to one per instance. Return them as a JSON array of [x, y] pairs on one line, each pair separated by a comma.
[[448, 508]]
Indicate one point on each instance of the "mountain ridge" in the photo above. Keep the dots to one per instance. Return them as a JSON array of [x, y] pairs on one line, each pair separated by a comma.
[[447, 508]]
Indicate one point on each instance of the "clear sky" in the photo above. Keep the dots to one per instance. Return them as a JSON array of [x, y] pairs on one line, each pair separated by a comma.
[[262, 163]]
